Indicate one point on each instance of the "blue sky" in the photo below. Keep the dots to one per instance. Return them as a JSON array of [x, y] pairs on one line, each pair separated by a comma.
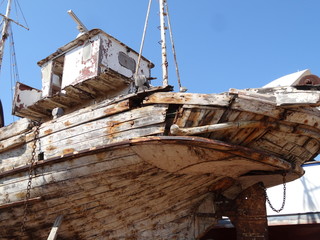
[[220, 44]]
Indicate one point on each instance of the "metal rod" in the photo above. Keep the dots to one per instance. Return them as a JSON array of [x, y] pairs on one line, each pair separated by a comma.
[[81, 27], [163, 44]]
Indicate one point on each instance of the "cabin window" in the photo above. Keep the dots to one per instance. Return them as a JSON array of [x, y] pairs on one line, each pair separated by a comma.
[[56, 77], [86, 52], [52, 76], [127, 62]]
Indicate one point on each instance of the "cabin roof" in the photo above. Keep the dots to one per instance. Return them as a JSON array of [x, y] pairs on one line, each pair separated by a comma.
[[80, 41]]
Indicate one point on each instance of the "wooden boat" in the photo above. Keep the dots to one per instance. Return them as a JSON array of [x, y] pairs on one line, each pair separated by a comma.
[[152, 164]]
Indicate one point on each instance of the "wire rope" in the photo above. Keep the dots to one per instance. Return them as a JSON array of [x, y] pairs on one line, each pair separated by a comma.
[[173, 48], [143, 37]]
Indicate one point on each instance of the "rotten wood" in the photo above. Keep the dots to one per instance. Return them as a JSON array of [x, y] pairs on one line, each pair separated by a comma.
[[92, 210]]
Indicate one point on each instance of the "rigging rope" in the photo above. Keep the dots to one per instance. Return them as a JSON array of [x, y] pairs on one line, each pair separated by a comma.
[[13, 60], [14, 73], [24, 19], [143, 37], [2, 2], [173, 48]]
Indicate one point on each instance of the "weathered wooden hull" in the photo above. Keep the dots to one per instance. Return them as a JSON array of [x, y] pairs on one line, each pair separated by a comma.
[[115, 171]]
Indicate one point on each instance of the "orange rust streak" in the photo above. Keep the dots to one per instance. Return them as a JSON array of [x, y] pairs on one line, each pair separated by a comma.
[[49, 131], [67, 123], [68, 150], [50, 148]]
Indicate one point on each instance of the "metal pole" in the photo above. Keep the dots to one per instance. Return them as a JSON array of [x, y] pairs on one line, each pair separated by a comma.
[[163, 44], [81, 27], [4, 33]]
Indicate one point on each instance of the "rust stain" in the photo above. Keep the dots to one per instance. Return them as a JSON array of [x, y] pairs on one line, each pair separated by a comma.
[[68, 150], [111, 124], [222, 184], [116, 109], [20, 195], [48, 131], [101, 156], [67, 123], [50, 148]]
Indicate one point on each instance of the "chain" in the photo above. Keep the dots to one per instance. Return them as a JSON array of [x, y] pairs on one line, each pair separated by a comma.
[[30, 173], [284, 196]]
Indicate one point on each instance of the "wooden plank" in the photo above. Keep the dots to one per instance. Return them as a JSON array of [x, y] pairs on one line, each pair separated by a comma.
[[266, 97], [55, 228], [12, 142], [298, 99], [83, 116], [105, 126], [88, 141], [189, 98], [21, 126], [303, 117], [256, 106], [19, 203], [15, 157]]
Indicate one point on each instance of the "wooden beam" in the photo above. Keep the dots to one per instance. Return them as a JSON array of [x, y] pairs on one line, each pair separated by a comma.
[[176, 130], [55, 228], [18, 203]]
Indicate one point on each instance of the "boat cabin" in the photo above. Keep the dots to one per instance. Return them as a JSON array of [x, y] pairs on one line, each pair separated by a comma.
[[93, 66]]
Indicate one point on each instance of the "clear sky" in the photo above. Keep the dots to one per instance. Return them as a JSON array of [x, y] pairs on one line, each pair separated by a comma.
[[220, 44]]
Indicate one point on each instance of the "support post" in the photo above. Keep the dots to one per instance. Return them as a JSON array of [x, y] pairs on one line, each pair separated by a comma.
[[247, 213], [250, 218], [55, 228]]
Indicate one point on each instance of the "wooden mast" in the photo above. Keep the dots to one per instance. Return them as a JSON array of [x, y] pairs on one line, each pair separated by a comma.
[[4, 32], [4, 35], [163, 44]]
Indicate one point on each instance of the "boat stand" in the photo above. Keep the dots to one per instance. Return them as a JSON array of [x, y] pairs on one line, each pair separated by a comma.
[[247, 213]]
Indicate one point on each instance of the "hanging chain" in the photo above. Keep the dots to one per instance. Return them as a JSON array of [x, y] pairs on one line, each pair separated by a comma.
[[284, 196], [30, 173]]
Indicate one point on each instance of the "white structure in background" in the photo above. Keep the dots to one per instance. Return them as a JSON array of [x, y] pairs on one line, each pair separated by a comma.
[[288, 80], [302, 200]]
